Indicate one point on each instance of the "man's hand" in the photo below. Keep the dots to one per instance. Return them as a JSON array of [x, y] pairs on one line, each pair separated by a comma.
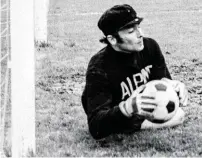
[[180, 88], [177, 119], [139, 103]]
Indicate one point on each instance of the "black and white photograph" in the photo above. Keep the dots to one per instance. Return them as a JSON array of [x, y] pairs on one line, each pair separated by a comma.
[[116, 78]]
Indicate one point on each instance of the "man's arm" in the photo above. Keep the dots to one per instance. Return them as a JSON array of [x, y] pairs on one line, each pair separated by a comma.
[[104, 118]]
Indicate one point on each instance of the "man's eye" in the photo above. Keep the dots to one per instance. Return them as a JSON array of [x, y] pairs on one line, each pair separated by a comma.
[[131, 31]]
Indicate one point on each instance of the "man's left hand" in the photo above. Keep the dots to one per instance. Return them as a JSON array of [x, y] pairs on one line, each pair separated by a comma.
[[181, 89], [177, 119]]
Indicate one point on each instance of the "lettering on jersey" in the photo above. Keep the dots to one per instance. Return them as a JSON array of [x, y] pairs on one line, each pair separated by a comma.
[[138, 78], [125, 90], [130, 84]]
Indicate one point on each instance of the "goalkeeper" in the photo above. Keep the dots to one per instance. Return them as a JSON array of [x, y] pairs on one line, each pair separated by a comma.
[[121, 69]]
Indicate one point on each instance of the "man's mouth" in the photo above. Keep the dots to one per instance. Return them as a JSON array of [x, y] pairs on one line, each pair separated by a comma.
[[140, 43]]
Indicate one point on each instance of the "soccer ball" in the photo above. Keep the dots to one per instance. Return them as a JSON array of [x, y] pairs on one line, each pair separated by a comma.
[[167, 98]]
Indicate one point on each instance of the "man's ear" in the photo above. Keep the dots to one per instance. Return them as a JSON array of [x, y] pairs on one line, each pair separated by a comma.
[[112, 40]]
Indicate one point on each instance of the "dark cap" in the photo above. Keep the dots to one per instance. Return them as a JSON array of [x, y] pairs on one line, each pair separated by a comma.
[[117, 18]]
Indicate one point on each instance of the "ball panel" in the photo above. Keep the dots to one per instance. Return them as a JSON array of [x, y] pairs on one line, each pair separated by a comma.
[[170, 106], [161, 99], [160, 113], [160, 87]]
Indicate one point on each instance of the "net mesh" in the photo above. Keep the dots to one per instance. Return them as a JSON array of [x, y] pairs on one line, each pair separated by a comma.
[[5, 119]]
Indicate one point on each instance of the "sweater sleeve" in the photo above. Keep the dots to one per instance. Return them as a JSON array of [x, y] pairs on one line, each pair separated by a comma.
[[160, 68], [104, 118]]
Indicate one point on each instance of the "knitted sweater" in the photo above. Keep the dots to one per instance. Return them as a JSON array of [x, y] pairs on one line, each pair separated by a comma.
[[111, 77]]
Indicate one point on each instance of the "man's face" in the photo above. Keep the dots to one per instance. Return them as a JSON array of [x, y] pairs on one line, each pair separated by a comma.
[[131, 39]]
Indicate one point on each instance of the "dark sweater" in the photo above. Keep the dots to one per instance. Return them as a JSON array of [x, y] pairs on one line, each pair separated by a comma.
[[111, 77]]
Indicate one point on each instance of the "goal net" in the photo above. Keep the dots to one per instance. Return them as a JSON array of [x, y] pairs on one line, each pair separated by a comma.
[[5, 80]]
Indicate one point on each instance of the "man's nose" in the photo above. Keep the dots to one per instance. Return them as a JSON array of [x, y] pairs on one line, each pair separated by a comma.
[[139, 32]]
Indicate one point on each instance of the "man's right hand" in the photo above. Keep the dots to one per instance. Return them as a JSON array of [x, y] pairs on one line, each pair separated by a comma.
[[177, 119], [139, 103]]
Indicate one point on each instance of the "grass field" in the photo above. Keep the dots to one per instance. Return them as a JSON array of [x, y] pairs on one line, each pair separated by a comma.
[[61, 126]]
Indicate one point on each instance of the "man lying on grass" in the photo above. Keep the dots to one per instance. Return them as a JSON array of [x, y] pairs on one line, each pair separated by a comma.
[[128, 61]]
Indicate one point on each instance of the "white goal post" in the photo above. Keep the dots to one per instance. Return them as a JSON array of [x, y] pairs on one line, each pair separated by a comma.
[[23, 34], [22, 78]]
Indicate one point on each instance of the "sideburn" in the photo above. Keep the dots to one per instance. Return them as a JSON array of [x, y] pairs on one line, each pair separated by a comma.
[[118, 38]]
